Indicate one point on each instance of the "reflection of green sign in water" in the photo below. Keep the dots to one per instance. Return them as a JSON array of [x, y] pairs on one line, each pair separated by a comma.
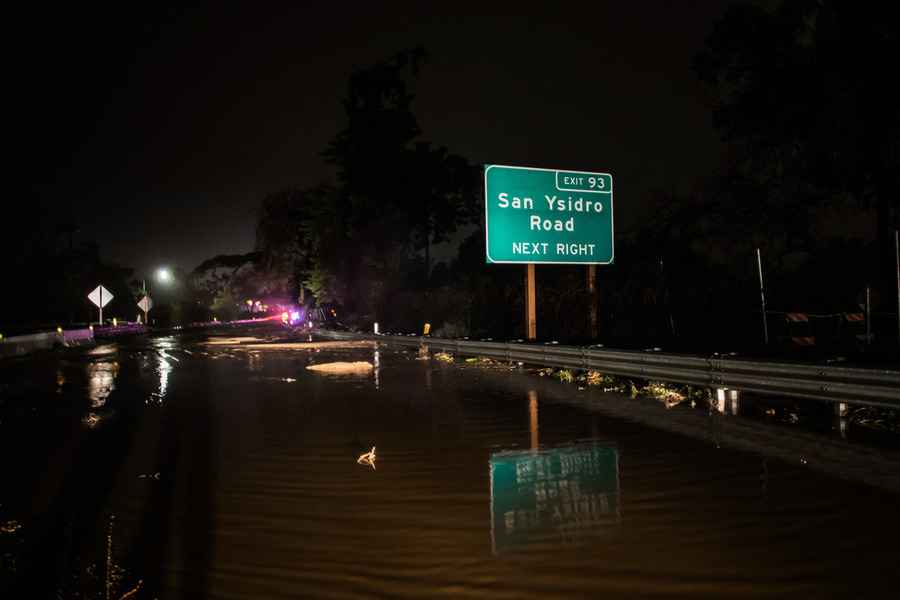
[[548, 216], [564, 492]]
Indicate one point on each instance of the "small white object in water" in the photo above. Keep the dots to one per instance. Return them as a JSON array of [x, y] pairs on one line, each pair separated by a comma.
[[367, 458]]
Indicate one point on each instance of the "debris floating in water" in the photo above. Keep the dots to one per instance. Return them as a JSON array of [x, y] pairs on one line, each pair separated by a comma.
[[367, 458], [262, 344], [91, 420], [133, 591], [444, 357], [14, 526], [342, 367]]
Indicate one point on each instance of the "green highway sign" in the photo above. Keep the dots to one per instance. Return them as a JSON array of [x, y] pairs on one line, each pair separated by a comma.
[[548, 216]]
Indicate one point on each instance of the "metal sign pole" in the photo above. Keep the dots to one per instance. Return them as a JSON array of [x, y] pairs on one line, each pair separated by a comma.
[[530, 302], [101, 306], [592, 298], [762, 296], [868, 316]]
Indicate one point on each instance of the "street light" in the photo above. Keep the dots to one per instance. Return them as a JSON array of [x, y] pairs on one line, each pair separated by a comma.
[[164, 275]]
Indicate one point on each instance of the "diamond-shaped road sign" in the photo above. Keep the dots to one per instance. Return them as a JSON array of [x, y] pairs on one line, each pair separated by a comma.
[[100, 296], [145, 304]]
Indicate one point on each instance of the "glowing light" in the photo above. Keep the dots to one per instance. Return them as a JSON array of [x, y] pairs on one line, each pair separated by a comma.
[[59, 330], [295, 316], [115, 322], [376, 327], [249, 302], [285, 317], [367, 458], [164, 275], [91, 327]]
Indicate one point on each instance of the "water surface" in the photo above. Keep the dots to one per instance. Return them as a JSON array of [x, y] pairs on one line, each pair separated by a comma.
[[175, 469]]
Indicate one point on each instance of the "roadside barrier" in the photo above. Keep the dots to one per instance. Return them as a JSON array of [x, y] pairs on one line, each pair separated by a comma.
[[120, 329], [20, 345], [873, 387], [793, 318], [833, 329]]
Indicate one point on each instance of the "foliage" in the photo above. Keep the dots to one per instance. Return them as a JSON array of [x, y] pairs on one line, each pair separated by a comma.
[[800, 97], [357, 243], [565, 376], [49, 269]]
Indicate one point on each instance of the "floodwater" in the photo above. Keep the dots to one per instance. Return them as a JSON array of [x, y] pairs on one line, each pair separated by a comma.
[[168, 468]]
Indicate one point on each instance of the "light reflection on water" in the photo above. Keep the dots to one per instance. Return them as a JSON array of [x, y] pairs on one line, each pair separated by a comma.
[[254, 361], [553, 494], [376, 362], [164, 368], [559, 494], [101, 381]]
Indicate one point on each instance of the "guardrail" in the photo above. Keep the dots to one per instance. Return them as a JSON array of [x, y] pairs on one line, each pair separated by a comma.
[[20, 345], [120, 329], [874, 387]]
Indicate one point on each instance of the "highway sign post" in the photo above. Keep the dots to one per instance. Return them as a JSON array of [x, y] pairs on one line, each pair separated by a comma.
[[145, 304], [100, 297], [548, 216]]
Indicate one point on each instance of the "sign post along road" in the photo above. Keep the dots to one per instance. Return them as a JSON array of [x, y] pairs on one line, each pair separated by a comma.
[[100, 297], [548, 216], [145, 304]]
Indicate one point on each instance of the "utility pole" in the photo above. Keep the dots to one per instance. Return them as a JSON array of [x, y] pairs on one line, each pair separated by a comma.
[[762, 296]]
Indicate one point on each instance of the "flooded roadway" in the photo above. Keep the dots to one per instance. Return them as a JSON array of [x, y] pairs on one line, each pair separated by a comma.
[[170, 468]]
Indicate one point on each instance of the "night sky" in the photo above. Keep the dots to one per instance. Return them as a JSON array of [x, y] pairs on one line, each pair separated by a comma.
[[159, 132]]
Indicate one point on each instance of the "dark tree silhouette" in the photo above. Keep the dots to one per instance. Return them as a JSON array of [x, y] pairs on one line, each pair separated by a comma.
[[804, 95]]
